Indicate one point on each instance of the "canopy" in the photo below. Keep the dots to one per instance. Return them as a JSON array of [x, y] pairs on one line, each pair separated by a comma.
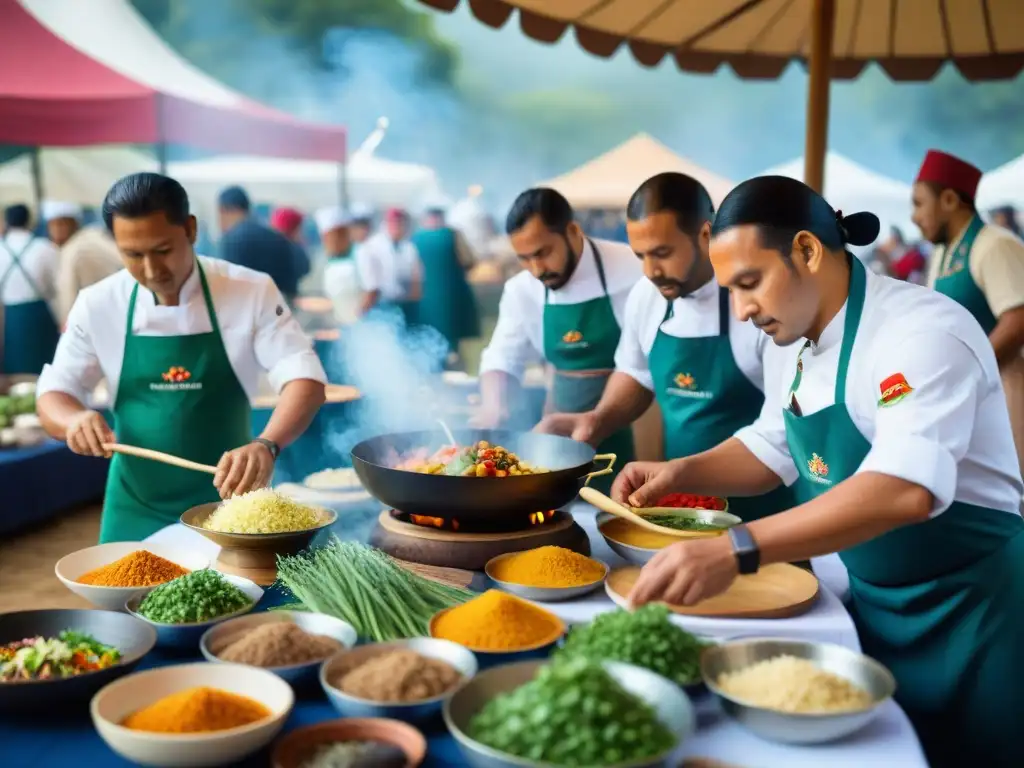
[[1003, 186], [81, 175], [608, 180], [76, 73]]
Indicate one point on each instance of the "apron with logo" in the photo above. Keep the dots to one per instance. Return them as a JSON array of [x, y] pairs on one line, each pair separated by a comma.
[[179, 395], [938, 602], [956, 282], [448, 303], [30, 333], [583, 337], [705, 398]]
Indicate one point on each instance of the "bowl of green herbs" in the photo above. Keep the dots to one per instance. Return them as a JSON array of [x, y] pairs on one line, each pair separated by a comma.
[[570, 712]]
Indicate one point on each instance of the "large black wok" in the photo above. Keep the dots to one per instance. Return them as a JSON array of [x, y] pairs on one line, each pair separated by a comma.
[[570, 463]]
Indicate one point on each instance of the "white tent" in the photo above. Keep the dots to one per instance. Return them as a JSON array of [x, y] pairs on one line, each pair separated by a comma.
[[851, 187], [1003, 186], [608, 180]]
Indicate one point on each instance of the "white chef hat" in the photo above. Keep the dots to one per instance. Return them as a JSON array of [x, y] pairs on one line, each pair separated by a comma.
[[361, 212], [58, 209], [332, 217]]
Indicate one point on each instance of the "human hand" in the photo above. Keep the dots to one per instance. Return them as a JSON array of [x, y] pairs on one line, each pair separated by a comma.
[[642, 483], [578, 426], [243, 469], [488, 418], [686, 573], [87, 432]]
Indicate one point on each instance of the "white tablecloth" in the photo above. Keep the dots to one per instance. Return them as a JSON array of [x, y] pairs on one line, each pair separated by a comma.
[[888, 741]]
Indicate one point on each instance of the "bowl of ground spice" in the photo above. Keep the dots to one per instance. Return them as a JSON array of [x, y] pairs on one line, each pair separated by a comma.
[[547, 574], [291, 644], [191, 714], [108, 574], [405, 680], [499, 628]]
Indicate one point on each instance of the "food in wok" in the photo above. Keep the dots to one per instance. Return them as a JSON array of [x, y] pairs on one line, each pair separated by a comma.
[[41, 658], [478, 460]]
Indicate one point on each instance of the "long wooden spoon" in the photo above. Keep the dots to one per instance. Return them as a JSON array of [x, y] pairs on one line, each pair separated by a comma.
[[606, 504], [165, 458]]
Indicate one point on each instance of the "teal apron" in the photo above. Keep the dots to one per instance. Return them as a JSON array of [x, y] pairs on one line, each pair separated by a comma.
[[939, 602], [179, 395], [30, 332], [448, 303], [583, 337], [956, 282], [705, 398]]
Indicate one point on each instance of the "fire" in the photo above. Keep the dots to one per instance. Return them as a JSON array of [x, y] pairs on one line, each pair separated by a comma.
[[434, 522], [539, 518]]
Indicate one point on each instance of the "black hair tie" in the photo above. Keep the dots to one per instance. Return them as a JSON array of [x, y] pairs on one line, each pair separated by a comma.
[[841, 224]]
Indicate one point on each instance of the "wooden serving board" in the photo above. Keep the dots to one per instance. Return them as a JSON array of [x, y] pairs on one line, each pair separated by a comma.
[[775, 592]]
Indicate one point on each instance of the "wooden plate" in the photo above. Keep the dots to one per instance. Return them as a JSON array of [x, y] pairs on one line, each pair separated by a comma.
[[775, 592]]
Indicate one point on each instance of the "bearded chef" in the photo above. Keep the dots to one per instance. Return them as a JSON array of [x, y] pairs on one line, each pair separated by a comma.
[[980, 266], [567, 308], [182, 342]]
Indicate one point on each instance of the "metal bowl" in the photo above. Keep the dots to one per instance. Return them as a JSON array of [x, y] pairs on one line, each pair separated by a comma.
[[249, 548], [543, 594], [671, 704], [131, 637], [798, 728], [415, 711], [220, 636], [189, 635], [628, 552], [488, 659]]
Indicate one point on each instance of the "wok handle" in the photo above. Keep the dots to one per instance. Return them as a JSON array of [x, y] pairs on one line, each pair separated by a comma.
[[610, 458]]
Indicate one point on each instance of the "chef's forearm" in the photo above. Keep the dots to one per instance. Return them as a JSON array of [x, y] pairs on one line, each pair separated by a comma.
[[858, 509], [1007, 337], [56, 411], [497, 390], [297, 405], [728, 469], [369, 301], [624, 401]]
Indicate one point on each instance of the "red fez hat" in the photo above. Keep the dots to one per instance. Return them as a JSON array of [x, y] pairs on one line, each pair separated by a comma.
[[285, 219], [949, 172], [395, 214]]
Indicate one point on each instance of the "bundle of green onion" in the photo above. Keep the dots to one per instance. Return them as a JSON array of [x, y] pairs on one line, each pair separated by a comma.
[[366, 588]]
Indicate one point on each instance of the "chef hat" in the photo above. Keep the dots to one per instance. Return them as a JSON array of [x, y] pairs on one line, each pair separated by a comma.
[[57, 209], [285, 219], [949, 172], [361, 212], [333, 217]]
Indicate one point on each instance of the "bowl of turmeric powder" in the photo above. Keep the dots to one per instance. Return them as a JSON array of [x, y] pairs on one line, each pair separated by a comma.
[[546, 574], [108, 574]]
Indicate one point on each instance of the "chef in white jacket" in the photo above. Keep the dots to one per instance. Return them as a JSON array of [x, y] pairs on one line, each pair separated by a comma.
[[342, 283], [390, 269]]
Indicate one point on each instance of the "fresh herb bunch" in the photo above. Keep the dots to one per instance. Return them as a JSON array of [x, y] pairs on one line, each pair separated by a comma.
[[644, 637], [572, 714], [197, 596]]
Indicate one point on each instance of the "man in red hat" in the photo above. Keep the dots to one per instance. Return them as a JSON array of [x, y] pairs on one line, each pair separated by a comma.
[[394, 273], [980, 266], [288, 221]]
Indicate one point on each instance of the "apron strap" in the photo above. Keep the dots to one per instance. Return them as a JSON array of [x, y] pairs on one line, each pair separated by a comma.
[[723, 311], [16, 264], [854, 310], [600, 273], [670, 311], [957, 256], [214, 325]]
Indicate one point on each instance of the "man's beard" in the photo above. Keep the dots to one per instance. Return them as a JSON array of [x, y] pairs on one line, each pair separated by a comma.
[[941, 235], [556, 280]]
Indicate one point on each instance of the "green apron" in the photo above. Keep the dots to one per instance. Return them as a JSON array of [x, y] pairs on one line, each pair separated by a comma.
[[448, 303], [938, 602], [30, 332], [583, 337], [705, 398], [956, 282], [179, 395]]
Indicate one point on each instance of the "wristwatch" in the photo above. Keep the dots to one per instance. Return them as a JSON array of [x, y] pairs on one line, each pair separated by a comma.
[[748, 554], [273, 447]]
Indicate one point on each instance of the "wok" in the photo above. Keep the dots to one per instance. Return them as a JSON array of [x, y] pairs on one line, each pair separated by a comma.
[[571, 465]]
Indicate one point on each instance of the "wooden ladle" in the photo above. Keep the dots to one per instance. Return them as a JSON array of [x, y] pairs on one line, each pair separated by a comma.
[[606, 504], [165, 458]]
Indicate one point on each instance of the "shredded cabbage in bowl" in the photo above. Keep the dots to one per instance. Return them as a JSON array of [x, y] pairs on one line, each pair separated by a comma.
[[261, 511]]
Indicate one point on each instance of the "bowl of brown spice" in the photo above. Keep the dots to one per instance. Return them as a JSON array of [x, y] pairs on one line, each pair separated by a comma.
[[405, 680], [108, 574], [291, 644]]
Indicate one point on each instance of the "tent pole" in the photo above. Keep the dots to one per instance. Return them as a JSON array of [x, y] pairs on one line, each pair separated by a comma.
[[818, 85], [161, 157], [37, 181], [343, 184]]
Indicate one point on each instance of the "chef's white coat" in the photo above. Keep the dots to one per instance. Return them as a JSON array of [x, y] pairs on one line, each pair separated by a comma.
[[386, 267], [41, 260], [259, 331], [519, 334], [693, 316]]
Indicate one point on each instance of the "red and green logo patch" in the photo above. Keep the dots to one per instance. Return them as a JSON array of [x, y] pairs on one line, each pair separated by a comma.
[[893, 389]]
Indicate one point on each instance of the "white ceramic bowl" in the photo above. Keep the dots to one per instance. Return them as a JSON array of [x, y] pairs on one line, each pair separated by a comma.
[[116, 701], [70, 567]]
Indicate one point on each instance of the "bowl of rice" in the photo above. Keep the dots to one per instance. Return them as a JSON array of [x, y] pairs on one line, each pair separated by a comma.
[[795, 691]]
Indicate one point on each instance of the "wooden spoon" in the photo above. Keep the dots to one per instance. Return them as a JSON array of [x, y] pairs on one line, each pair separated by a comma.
[[165, 458], [606, 504]]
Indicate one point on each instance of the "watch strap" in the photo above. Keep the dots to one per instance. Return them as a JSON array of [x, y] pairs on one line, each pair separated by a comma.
[[273, 447], [748, 554]]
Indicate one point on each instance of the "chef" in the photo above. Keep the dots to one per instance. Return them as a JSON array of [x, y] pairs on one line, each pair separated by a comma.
[[679, 343], [181, 341], [891, 422], [567, 307], [28, 292], [341, 272], [389, 267], [978, 265]]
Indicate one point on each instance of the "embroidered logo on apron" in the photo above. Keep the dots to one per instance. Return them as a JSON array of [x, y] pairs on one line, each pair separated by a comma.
[[686, 386], [893, 389], [574, 339], [818, 469], [175, 379]]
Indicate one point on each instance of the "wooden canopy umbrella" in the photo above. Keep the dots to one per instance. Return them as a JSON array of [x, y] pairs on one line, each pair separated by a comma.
[[758, 39]]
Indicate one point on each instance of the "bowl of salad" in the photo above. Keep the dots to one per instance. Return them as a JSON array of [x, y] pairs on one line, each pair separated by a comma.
[[58, 659]]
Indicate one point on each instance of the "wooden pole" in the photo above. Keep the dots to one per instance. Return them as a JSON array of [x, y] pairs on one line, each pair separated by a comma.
[[819, 66]]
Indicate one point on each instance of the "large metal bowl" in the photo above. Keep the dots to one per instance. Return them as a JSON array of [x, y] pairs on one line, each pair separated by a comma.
[[131, 637], [798, 728], [542, 594], [671, 704]]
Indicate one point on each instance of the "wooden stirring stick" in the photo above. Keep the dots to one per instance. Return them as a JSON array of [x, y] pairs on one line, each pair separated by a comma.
[[165, 458], [602, 502]]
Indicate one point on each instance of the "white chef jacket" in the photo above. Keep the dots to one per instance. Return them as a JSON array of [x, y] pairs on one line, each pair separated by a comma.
[[259, 331], [693, 316], [951, 434], [518, 337], [386, 267], [41, 260], [343, 284]]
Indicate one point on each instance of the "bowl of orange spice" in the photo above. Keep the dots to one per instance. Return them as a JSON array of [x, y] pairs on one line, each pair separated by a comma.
[[108, 574]]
